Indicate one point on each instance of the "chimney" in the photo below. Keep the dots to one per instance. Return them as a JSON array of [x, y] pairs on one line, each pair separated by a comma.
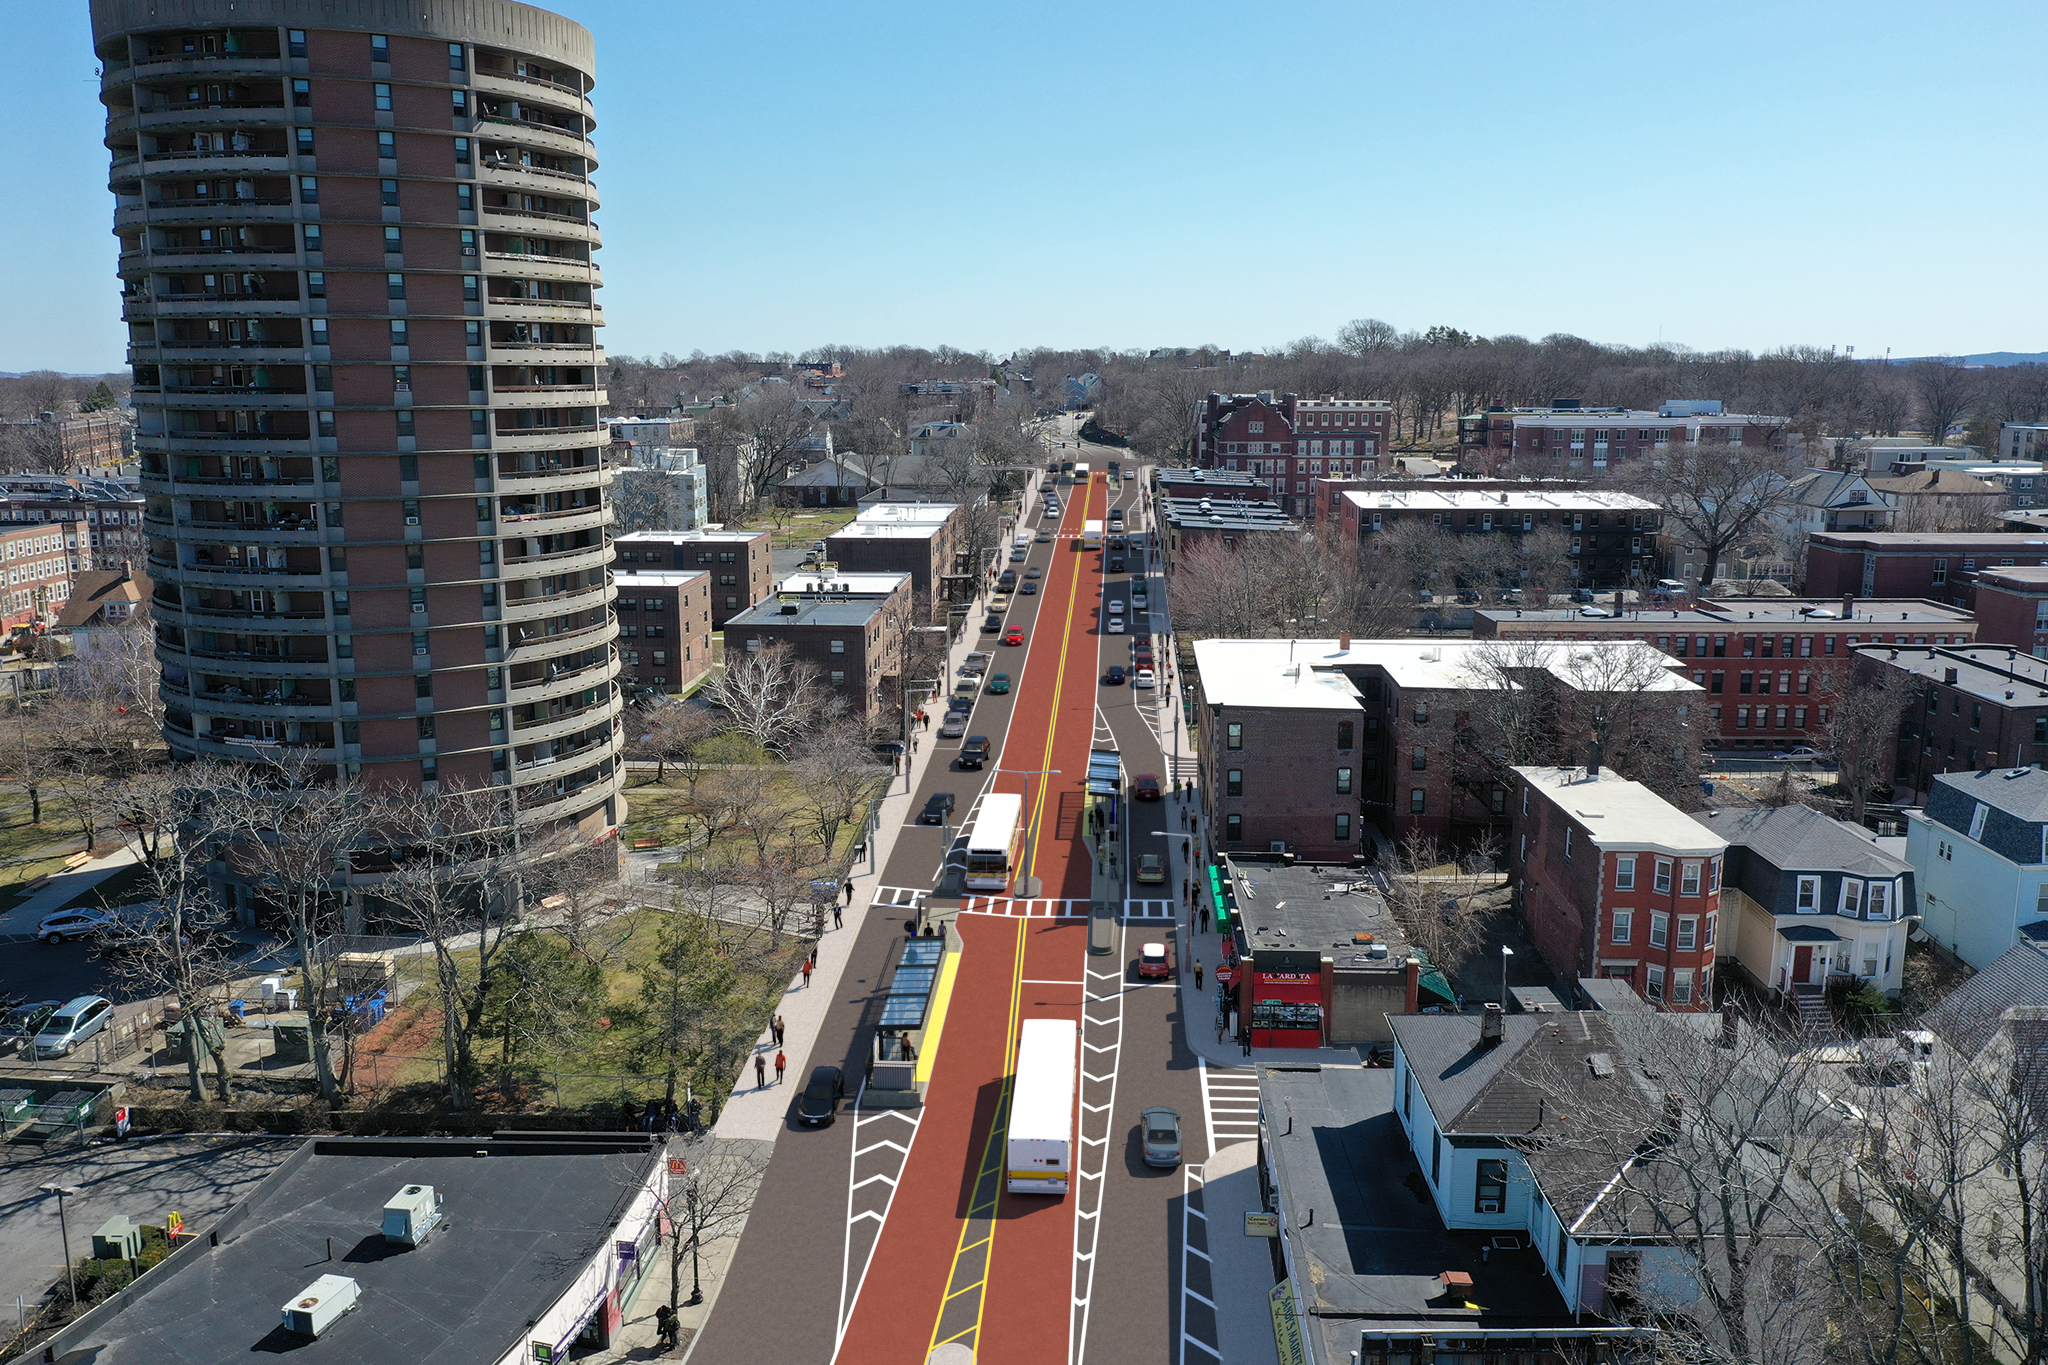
[[1848, 606], [1344, 642], [1593, 759], [1492, 1025], [1731, 1020], [127, 571], [1948, 675]]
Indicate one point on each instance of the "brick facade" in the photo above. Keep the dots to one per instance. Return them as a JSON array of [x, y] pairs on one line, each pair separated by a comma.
[[664, 629], [1615, 538], [741, 563], [1289, 440], [1570, 440], [1944, 568], [855, 643], [1615, 882]]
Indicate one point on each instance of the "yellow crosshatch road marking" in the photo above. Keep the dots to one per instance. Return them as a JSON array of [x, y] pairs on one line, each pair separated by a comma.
[[982, 1208]]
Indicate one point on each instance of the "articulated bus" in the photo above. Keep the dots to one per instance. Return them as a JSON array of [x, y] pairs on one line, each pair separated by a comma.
[[1091, 535], [1041, 1138], [995, 842]]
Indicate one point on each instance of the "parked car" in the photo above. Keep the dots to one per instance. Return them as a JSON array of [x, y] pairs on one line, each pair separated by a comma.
[[937, 807], [822, 1093], [1142, 678], [965, 689], [1582, 595], [1017, 554], [1591, 612], [73, 924], [1152, 960], [1140, 599], [1468, 597], [974, 753], [954, 725], [999, 602], [977, 662], [76, 1021], [1145, 787], [1151, 867], [1161, 1129], [1014, 635], [999, 683], [1142, 657], [993, 624], [1801, 751], [24, 1022], [1115, 676], [1116, 625], [1034, 572], [1511, 596], [1007, 581]]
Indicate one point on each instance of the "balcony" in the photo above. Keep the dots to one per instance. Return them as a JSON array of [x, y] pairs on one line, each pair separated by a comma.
[[521, 132], [513, 86], [537, 647], [556, 680], [249, 113], [566, 799], [568, 722]]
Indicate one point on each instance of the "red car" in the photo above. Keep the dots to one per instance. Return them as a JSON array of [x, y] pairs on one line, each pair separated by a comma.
[[1152, 960], [1145, 787], [1014, 635]]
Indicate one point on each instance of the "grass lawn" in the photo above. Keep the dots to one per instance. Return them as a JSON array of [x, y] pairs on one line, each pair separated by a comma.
[[660, 811], [805, 525]]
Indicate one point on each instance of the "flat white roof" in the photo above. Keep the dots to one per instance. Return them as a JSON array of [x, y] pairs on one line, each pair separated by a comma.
[[669, 578], [687, 535], [885, 531], [1245, 667], [1621, 813], [856, 584], [887, 513], [1497, 500], [1260, 673]]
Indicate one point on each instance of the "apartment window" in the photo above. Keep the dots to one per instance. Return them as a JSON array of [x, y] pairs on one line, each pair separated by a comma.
[[305, 136], [1416, 800], [1713, 874], [398, 333], [1717, 684], [302, 94], [1233, 828], [1343, 734], [1625, 872], [295, 42], [1233, 736], [459, 100], [1742, 717], [1660, 929], [1747, 683], [380, 48], [312, 235], [1689, 878], [1624, 925], [455, 61], [1233, 782], [1343, 827], [383, 99], [1681, 986], [1343, 781], [1707, 933], [1688, 932], [1852, 898], [1418, 758], [405, 427], [309, 190], [1653, 988], [1976, 715], [1661, 877], [1422, 713], [839, 646]]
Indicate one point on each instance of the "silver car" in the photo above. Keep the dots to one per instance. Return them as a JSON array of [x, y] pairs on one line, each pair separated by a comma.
[[1160, 1129]]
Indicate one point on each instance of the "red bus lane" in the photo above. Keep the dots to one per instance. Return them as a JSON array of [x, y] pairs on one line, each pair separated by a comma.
[[926, 1262]]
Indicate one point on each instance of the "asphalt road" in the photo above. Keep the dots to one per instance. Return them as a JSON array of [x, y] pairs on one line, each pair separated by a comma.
[[803, 1266]]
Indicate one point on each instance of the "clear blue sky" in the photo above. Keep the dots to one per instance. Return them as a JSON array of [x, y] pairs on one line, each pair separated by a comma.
[[1135, 173]]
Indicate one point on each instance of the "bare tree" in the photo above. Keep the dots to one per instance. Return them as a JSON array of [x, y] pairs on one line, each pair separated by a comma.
[[668, 735], [836, 771], [1432, 892], [1861, 730], [707, 1203], [768, 694], [1716, 496], [752, 444], [1944, 389]]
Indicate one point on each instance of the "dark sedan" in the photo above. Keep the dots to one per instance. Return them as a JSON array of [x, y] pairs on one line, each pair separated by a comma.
[[821, 1096], [1115, 676], [936, 808]]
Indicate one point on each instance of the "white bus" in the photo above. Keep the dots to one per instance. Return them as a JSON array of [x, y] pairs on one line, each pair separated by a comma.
[[995, 842], [1091, 535], [1041, 1139], [1080, 474]]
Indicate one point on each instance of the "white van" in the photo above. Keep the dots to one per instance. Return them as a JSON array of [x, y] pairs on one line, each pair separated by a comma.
[[73, 1023]]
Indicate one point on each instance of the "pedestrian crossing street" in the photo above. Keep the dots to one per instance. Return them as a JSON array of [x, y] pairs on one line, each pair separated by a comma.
[[911, 899], [1230, 1104]]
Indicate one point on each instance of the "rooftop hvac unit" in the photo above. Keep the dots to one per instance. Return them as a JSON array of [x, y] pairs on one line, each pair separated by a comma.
[[1277, 846], [411, 1214], [314, 1308]]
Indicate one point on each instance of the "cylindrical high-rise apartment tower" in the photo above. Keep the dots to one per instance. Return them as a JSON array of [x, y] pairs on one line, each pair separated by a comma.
[[357, 267]]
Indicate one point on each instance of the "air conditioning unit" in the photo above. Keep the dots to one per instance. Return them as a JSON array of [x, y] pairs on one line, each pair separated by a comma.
[[1277, 846], [1489, 1206], [411, 1214], [314, 1308], [412, 521]]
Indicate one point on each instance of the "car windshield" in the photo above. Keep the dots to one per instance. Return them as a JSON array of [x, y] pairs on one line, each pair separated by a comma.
[[58, 1023]]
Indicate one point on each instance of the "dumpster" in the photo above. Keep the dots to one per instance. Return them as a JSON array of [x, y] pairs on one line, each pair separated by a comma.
[[291, 1043]]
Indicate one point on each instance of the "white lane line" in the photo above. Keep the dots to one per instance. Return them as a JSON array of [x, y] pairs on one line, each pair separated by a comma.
[[1192, 1183], [1031, 982], [1084, 1286]]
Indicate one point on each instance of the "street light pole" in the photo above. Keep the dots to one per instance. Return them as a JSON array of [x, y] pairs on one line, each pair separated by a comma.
[[64, 1228]]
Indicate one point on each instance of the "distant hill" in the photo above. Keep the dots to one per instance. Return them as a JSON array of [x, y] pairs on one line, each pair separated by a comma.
[[1986, 358]]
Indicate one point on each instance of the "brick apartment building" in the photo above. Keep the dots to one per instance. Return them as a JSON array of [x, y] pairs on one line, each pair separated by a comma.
[[99, 442], [1975, 709], [1289, 440], [922, 539], [1395, 728], [1326, 494], [1614, 537], [1617, 883], [1941, 566], [741, 563], [114, 524], [664, 629], [1183, 522], [2012, 608], [855, 642], [1568, 439], [39, 561], [1770, 665]]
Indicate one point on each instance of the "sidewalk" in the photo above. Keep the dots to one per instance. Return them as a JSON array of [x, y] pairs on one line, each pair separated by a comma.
[[60, 891]]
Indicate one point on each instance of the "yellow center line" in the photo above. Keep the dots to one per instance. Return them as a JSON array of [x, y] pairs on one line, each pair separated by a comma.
[[1058, 687], [995, 1133]]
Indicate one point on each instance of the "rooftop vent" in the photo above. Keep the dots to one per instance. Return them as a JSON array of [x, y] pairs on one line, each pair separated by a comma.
[[313, 1309], [411, 1214], [1948, 675]]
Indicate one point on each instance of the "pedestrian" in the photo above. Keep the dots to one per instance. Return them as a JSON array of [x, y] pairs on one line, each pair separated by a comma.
[[780, 1062], [665, 1329], [1184, 885], [777, 1026], [629, 1115], [807, 974], [1219, 1030], [835, 916], [675, 1116], [1244, 1036], [910, 927], [814, 954], [760, 1072], [849, 891], [1198, 973]]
